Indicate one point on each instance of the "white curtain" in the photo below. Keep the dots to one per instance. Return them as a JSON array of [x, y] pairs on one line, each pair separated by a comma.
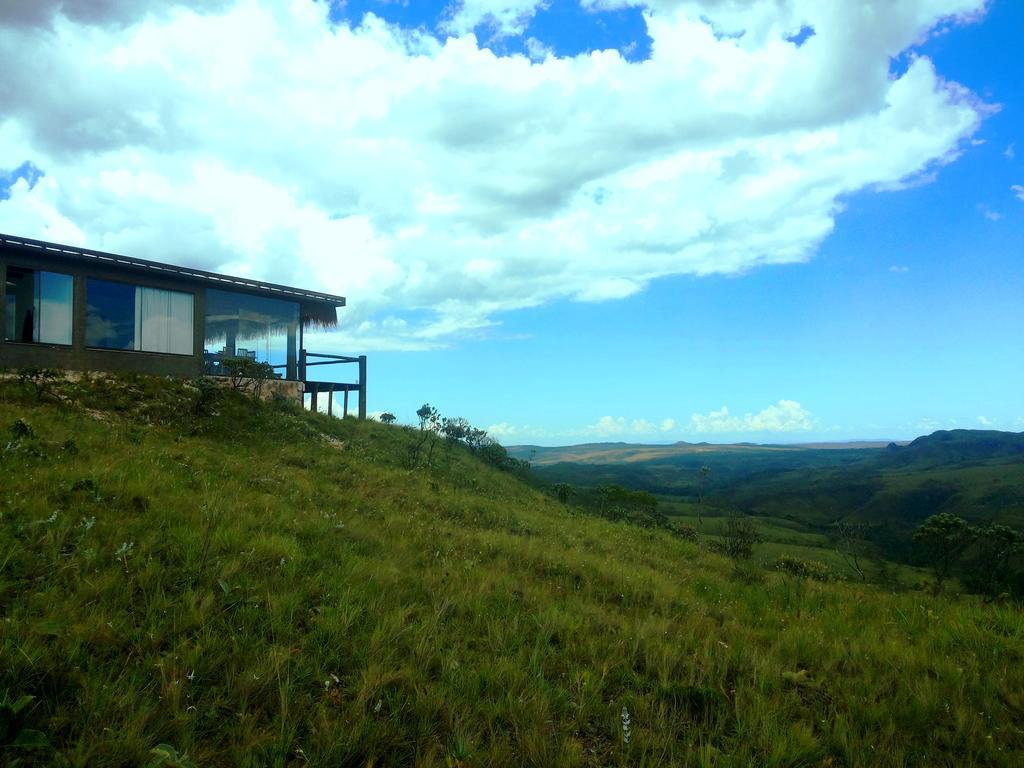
[[163, 321], [53, 303]]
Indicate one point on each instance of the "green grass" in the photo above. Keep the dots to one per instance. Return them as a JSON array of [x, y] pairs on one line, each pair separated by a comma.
[[266, 586], [781, 536]]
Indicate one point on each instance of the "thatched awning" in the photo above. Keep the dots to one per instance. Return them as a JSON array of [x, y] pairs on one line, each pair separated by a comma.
[[246, 315], [319, 314]]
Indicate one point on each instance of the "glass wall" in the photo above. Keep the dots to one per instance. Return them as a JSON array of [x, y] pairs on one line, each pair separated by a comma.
[[254, 327], [133, 317], [38, 306]]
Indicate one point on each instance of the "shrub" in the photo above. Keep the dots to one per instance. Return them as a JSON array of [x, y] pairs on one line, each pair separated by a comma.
[[944, 537], [803, 569], [208, 392], [563, 491], [738, 537], [686, 533], [42, 380], [248, 375]]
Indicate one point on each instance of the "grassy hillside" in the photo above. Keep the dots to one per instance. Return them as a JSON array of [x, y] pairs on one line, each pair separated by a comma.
[[186, 582]]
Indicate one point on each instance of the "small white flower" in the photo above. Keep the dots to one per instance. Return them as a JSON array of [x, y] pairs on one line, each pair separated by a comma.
[[88, 522]]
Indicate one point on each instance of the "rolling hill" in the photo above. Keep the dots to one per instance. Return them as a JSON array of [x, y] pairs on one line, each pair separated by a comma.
[[191, 578]]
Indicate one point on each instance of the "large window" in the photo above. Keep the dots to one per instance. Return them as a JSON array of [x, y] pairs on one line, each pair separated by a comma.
[[122, 316], [254, 327], [38, 306]]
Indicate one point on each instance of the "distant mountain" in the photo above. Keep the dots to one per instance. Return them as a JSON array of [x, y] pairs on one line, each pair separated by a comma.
[[977, 474], [620, 453], [957, 447]]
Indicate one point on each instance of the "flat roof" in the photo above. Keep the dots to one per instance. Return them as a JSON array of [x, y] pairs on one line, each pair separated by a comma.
[[213, 279]]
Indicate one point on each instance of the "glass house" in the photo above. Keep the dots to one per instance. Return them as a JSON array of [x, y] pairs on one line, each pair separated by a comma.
[[85, 310]]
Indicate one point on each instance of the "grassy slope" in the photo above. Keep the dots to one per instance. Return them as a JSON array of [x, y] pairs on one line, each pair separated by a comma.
[[292, 601]]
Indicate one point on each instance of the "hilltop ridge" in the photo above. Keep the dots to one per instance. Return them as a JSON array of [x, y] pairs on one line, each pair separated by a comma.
[[957, 446]]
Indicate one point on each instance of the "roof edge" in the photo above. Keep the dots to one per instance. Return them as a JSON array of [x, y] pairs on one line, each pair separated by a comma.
[[145, 265]]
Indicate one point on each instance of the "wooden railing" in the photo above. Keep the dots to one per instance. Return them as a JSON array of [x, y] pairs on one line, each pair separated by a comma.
[[314, 388]]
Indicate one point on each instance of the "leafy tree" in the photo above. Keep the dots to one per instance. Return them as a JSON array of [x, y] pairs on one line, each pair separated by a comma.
[[430, 418], [944, 537], [455, 429], [387, 418], [998, 548]]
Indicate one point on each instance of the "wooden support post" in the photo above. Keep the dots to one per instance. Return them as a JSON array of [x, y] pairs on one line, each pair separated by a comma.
[[345, 412], [362, 386], [312, 398], [330, 402]]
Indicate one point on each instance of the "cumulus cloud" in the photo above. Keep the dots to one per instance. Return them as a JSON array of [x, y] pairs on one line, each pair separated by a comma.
[[985, 422], [437, 184], [503, 17], [1018, 190], [611, 426], [505, 432], [784, 416]]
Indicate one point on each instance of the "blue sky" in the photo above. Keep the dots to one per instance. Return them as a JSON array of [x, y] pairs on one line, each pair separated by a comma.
[[537, 236], [870, 350]]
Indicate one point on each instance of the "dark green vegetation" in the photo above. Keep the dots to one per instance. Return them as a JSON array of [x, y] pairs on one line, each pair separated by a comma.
[[855, 509], [190, 578]]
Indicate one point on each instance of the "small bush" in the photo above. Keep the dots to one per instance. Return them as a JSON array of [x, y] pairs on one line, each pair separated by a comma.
[[686, 533], [248, 375], [738, 537], [803, 569]]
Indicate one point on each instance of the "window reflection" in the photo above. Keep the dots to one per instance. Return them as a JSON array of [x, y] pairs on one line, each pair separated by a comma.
[[258, 328], [38, 306], [123, 316]]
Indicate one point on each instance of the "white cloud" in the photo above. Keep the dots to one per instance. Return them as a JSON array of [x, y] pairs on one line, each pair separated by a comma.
[[505, 432], [988, 213], [536, 50], [607, 426], [439, 181], [611, 426], [784, 416], [1018, 190], [1010, 152], [504, 17], [985, 422], [898, 269], [667, 425]]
